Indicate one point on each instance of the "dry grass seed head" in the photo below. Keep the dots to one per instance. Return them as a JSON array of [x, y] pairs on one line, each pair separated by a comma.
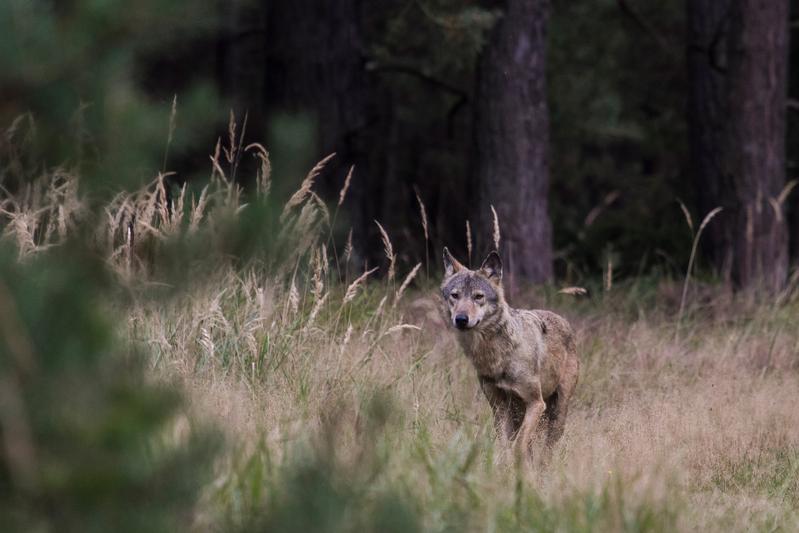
[[170, 134], [423, 212], [598, 209], [198, 210], [305, 188], [469, 242], [406, 282], [352, 289], [496, 228], [230, 151], [146, 208], [317, 277], [342, 195], [216, 168], [388, 250], [380, 306], [318, 304], [402, 327], [348, 247], [687, 214], [574, 291], [346, 340], [294, 298], [263, 181], [324, 262], [303, 230], [786, 191], [322, 208]]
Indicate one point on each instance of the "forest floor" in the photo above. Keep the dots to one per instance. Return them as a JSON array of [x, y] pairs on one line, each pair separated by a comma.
[[369, 416]]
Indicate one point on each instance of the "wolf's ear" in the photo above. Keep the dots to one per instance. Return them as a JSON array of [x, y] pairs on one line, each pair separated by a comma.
[[492, 267], [451, 265]]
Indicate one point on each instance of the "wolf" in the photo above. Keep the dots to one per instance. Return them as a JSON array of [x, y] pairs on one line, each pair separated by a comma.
[[526, 360]]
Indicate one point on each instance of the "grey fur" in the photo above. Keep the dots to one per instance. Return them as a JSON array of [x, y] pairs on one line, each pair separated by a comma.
[[526, 360]]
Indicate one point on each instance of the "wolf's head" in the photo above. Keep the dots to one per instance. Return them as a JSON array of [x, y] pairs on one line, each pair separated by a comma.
[[473, 297]]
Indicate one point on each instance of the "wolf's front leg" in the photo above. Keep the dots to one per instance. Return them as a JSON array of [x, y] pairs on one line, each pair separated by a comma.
[[502, 408], [528, 390], [526, 436]]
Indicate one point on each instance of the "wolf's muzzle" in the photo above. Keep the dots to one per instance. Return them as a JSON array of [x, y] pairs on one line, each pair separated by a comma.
[[461, 321]]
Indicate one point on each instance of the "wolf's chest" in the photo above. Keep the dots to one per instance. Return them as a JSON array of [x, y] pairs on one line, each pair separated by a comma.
[[488, 363], [489, 356]]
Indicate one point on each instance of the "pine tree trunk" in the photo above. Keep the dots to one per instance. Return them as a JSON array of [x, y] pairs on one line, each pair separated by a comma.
[[315, 65], [738, 57], [512, 129]]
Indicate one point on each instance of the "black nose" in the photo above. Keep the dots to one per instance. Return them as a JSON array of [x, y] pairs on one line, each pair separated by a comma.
[[461, 321]]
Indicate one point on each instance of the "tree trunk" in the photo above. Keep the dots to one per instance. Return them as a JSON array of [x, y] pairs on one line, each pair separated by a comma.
[[315, 65], [240, 73], [737, 60], [512, 130]]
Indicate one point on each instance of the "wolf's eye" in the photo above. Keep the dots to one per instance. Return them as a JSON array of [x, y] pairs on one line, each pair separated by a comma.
[[454, 295], [479, 297]]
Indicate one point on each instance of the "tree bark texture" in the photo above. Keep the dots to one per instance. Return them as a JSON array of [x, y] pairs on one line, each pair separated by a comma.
[[512, 136], [737, 60]]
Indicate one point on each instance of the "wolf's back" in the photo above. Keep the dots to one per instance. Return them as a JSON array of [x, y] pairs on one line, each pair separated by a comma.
[[556, 328]]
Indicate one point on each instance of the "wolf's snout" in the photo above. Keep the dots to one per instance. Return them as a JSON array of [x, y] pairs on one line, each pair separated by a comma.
[[461, 321]]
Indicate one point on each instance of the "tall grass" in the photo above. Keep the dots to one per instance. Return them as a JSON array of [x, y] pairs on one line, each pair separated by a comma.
[[348, 406]]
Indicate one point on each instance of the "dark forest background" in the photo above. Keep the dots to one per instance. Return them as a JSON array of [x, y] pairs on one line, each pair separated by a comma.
[[585, 124]]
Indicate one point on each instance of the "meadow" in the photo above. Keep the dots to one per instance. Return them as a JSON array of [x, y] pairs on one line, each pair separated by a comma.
[[346, 405]]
